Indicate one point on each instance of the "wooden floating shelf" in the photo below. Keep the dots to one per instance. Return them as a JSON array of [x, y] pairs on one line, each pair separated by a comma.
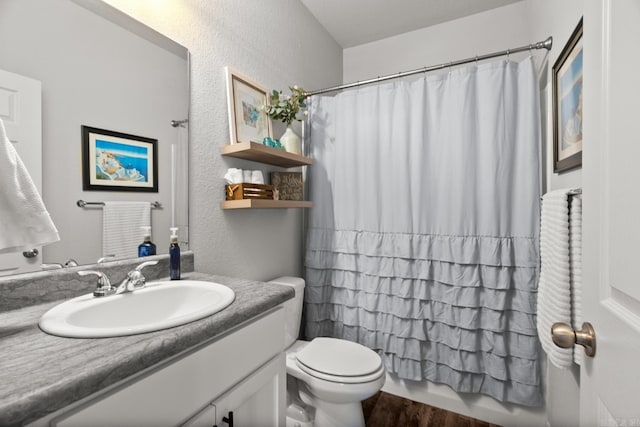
[[265, 204], [263, 154]]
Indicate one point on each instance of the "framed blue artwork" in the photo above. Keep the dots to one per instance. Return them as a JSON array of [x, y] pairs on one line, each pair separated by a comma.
[[115, 161], [567, 105]]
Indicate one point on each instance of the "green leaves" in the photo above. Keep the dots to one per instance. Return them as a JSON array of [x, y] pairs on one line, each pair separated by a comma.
[[286, 108]]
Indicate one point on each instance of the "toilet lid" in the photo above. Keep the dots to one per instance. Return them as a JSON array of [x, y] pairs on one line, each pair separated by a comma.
[[338, 357]]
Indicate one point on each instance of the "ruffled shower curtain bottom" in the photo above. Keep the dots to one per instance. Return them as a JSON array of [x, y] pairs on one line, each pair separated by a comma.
[[423, 240]]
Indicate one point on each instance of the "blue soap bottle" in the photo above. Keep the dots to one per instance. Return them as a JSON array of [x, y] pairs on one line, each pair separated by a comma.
[[174, 255], [146, 248]]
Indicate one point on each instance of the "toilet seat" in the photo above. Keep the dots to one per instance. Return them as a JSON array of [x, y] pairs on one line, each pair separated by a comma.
[[340, 361], [338, 379]]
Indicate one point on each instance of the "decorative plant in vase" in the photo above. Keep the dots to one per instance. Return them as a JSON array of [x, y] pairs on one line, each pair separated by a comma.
[[286, 109]]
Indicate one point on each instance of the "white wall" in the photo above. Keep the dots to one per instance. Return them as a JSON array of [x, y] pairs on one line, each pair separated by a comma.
[[93, 73], [490, 31], [557, 19], [278, 43], [498, 29]]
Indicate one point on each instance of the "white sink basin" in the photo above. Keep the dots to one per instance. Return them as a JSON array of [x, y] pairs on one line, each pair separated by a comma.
[[157, 306]]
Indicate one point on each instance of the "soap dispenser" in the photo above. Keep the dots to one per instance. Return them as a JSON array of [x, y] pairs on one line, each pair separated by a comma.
[[174, 255], [146, 248]]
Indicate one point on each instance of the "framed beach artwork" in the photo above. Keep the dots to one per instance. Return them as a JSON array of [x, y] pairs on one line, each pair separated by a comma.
[[248, 121], [567, 105], [114, 161]]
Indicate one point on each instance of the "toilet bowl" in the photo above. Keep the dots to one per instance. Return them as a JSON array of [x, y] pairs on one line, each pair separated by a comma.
[[333, 391], [327, 378]]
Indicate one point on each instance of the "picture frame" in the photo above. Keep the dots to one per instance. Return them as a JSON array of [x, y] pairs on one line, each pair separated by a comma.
[[248, 121], [115, 161], [567, 105]]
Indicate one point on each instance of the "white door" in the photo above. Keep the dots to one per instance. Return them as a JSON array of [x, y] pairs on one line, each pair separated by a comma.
[[610, 382], [21, 112]]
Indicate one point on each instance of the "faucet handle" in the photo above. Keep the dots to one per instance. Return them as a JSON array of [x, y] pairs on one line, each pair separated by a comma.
[[103, 285], [146, 264], [135, 279]]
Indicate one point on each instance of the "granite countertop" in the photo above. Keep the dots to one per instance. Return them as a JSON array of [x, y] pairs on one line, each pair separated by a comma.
[[41, 373]]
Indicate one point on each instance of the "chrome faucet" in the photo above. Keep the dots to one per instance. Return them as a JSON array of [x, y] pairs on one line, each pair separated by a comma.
[[103, 285], [135, 279]]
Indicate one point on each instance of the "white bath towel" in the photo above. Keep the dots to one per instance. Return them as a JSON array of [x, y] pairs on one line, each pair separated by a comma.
[[554, 288], [121, 227], [24, 220], [575, 261]]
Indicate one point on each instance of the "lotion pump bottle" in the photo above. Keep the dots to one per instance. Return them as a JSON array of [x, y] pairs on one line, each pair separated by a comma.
[[146, 248], [174, 255]]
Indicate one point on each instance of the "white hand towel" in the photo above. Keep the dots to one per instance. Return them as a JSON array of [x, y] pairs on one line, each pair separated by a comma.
[[575, 259], [233, 176], [24, 220], [554, 287], [121, 227]]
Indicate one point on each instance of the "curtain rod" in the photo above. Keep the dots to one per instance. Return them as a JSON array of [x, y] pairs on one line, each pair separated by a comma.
[[546, 44]]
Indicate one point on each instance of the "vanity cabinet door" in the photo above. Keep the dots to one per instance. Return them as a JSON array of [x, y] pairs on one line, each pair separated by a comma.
[[204, 418], [257, 401]]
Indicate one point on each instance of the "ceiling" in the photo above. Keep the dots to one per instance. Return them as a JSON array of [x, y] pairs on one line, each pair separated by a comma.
[[354, 22]]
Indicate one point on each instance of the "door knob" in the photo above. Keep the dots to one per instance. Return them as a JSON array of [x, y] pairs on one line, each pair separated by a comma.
[[564, 336], [30, 254]]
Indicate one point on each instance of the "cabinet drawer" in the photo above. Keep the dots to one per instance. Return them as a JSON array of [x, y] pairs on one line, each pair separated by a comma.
[[174, 391]]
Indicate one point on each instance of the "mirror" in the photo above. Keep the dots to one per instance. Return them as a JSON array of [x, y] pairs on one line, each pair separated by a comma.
[[98, 67]]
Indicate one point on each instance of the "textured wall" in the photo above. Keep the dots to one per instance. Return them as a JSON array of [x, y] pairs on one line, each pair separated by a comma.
[[278, 43]]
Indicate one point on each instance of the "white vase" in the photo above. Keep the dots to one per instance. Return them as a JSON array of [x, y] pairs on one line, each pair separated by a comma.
[[291, 142]]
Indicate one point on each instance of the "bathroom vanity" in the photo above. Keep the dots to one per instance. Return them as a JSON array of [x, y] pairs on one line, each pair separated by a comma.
[[194, 375], [241, 372]]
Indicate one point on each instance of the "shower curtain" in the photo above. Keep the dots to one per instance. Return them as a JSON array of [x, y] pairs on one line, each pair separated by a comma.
[[423, 240]]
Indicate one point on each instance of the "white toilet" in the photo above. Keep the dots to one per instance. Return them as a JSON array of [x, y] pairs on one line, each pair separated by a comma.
[[327, 378]]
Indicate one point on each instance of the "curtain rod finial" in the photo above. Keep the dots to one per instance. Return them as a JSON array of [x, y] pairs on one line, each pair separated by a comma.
[[548, 43]]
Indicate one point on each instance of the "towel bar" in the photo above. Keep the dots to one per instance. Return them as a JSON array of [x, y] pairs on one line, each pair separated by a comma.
[[82, 204], [573, 192]]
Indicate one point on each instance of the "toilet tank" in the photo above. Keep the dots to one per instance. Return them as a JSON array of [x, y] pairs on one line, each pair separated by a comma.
[[292, 308]]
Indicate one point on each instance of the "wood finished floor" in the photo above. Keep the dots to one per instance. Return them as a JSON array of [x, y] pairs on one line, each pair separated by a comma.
[[387, 410]]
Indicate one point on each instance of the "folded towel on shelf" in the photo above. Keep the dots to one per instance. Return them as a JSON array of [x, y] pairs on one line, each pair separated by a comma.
[[555, 297], [24, 220], [237, 176], [121, 227]]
